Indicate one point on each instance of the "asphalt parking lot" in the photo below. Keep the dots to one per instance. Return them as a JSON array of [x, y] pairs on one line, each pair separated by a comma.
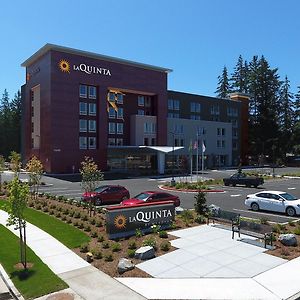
[[231, 199]]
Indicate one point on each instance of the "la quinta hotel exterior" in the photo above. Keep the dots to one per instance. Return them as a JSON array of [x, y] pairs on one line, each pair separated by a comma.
[[77, 104]]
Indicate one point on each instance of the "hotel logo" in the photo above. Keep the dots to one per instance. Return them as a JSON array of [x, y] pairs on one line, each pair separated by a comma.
[[64, 66]]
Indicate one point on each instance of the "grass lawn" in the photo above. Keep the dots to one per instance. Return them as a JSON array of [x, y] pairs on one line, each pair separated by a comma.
[[67, 234], [40, 280]]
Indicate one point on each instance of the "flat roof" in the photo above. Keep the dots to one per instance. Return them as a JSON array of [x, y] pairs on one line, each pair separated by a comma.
[[49, 47]]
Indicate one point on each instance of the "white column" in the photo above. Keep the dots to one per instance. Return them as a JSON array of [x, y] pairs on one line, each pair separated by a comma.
[[161, 162]]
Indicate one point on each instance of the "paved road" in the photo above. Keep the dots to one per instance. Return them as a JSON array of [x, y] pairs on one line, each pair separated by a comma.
[[232, 199]]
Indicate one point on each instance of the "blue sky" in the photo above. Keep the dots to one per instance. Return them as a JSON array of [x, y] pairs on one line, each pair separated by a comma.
[[195, 38]]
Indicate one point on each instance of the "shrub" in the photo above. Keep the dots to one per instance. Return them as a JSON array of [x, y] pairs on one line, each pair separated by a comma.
[[52, 197], [71, 201], [84, 217], [108, 257], [30, 204], [71, 213], [163, 234], [51, 212], [187, 216], [84, 248], [69, 221], [130, 253], [155, 228], [264, 221], [64, 218], [116, 247], [200, 204], [93, 221], [87, 228], [100, 238], [165, 246], [48, 196], [282, 227], [99, 223], [75, 223], [60, 198], [66, 211], [150, 242], [132, 245], [105, 245], [292, 224], [138, 232], [59, 208], [38, 207], [276, 228], [97, 254], [200, 219], [77, 215], [94, 234], [58, 215], [52, 206], [80, 225]]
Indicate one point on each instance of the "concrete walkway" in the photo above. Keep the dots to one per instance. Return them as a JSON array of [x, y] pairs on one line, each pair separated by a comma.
[[86, 281]]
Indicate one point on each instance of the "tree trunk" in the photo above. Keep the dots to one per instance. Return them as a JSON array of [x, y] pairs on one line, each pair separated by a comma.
[[25, 250], [21, 243]]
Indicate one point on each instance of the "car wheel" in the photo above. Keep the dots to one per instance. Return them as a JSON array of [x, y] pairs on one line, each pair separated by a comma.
[[226, 184], [233, 184], [290, 211], [255, 206]]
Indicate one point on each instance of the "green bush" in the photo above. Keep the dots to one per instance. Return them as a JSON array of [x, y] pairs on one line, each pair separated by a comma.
[[94, 234], [38, 207], [132, 245], [200, 203], [93, 221], [75, 223], [97, 254], [58, 215], [100, 238], [66, 211], [264, 221], [51, 212], [130, 253], [80, 225], [105, 245], [163, 234], [84, 248], [71, 213], [69, 221], [98, 223], [77, 215], [52, 206], [200, 219], [187, 217], [116, 247], [108, 257], [150, 242], [84, 217], [292, 224], [64, 218], [165, 246], [297, 230], [138, 233], [87, 228]]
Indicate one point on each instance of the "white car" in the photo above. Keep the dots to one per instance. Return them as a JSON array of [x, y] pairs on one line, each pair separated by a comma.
[[274, 201]]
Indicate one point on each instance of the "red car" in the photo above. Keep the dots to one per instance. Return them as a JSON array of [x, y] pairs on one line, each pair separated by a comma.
[[151, 196], [107, 194]]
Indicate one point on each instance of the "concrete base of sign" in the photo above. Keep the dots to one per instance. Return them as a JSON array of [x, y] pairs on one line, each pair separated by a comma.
[[144, 253]]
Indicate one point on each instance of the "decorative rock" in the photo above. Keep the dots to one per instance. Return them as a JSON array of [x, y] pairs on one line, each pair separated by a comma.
[[144, 253], [125, 265], [214, 210], [288, 239], [178, 210], [89, 257]]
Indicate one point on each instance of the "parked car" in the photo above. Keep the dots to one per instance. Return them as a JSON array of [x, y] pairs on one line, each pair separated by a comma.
[[243, 179], [151, 196], [107, 194], [274, 201]]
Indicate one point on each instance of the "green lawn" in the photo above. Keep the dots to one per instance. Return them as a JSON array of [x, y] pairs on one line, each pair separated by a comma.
[[40, 280], [67, 234]]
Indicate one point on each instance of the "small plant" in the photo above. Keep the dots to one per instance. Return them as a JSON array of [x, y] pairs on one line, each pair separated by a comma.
[[150, 242], [116, 247], [130, 253], [284, 252], [138, 233], [84, 248], [84, 217], [38, 207], [292, 224], [48, 196], [93, 221], [275, 228], [155, 228], [163, 234], [97, 254], [31, 204], [51, 212], [132, 245], [100, 238], [165, 246], [200, 219], [94, 234], [66, 211], [69, 221], [71, 201], [297, 230], [58, 215], [99, 223], [59, 208], [105, 245], [187, 217], [108, 257], [87, 228], [200, 204], [282, 227], [52, 206], [64, 218], [75, 223], [71, 213], [60, 198], [80, 226], [173, 225], [264, 221]]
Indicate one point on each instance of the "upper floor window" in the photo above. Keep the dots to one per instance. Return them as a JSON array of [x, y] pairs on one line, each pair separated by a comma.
[[82, 91], [120, 98], [83, 125], [234, 132], [92, 126], [82, 108], [92, 143], [215, 109], [120, 127], [111, 128], [141, 101], [173, 115], [120, 113], [147, 102], [195, 117], [141, 112], [111, 97], [111, 141], [173, 104], [119, 142], [232, 111], [82, 142], [92, 109], [233, 122], [201, 130], [221, 131], [195, 107], [92, 92], [111, 112]]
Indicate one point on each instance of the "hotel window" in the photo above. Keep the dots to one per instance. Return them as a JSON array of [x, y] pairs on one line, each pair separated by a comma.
[[233, 122], [82, 142], [111, 97], [141, 101], [111, 141], [153, 128], [195, 107], [223, 144], [215, 109], [92, 92], [173, 104], [82, 108], [234, 132], [221, 131], [153, 141], [119, 142], [83, 125], [141, 112], [182, 142], [92, 143], [176, 104], [92, 126], [111, 128], [234, 144], [218, 144], [120, 127], [176, 142], [195, 117], [201, 130], [146, 143], [173, 115], [147, 102], [120, 98], [120, 113], [146, 128], [82, 91], [232, 111], [92, 109], [111, 113]]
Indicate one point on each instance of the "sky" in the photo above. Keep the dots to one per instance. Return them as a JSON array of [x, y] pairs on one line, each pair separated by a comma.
[[195, 38]]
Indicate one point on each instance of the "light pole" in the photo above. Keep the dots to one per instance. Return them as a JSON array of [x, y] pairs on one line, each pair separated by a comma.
[[173, 161]]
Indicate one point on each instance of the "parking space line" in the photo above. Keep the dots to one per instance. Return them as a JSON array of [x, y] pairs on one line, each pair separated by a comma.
[[238, 195], [292, 188], [262, 213]]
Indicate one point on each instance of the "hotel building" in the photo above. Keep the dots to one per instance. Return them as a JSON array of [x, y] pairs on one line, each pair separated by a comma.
[[119, 112]]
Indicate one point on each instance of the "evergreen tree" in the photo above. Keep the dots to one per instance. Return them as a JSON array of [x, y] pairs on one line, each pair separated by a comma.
[[5, 124], [297, 105], [223, 88], [16, 115], [239, 78]]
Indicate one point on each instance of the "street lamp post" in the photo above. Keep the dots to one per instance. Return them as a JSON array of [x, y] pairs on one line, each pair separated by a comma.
[[173, 161]]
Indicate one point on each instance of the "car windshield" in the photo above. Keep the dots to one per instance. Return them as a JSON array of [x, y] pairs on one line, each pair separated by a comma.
[[288, 197], [101, 188], [142, 196]]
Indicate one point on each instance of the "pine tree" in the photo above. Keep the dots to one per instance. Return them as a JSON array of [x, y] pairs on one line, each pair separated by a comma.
[[223, 88], [16, 115], [297, 105], [239, 78], [5, 124]]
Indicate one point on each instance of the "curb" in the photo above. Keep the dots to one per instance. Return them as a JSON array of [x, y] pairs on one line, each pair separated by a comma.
[[167, 188]]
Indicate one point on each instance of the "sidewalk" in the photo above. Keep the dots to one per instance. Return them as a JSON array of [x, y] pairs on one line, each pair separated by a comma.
[[86, 281]]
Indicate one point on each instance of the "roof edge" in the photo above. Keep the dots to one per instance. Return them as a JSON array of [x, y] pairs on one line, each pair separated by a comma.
[[49, 47]]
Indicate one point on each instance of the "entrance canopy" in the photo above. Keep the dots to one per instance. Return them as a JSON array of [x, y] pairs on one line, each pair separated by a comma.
[[164, 149]]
